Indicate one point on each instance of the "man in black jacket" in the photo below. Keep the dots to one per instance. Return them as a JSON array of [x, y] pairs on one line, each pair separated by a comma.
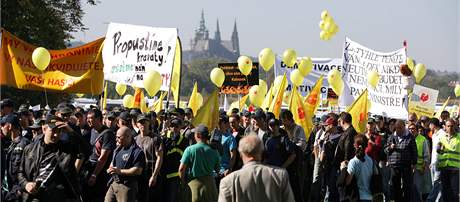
[[47, 171], [402, 158]]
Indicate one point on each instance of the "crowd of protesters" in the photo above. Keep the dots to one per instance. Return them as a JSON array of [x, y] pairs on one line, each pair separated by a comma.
[[74, 154]]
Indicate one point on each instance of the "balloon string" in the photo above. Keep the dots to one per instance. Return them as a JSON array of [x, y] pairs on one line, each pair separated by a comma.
[[46, 94]]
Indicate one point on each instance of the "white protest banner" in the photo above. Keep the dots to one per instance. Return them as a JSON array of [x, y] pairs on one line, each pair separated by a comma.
[[423, 101], [131, 50], [321, 66], [389, 98]]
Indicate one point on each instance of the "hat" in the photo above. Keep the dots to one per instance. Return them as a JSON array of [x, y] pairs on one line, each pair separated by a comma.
[[274, 122], [111, 115], [37, 124], [12, 119], [246, 113], [323, 118], [371, 120], [188, 111], [435, 122], [125, 116], [330, 121], [424, 118], [175, 123], [51, 121], [23, 108], [259, 113], [65, 110], [142, 117], [201, 129], [135, 112], [378, 118], [235, 110], [7, 103]]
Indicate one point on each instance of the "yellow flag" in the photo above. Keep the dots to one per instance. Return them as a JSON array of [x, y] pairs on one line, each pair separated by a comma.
[[158, 105], [443, 107], [138, 97], [358, 111], [243, 102], [312, 100], [208, 114], [193, 102], [275, 106], [104, 101], [268, 99], [298, 109], [176, 73]]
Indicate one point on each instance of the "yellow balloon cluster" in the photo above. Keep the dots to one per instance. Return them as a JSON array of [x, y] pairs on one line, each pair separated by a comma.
[[457, 90], [327, 26], [419, 72], [217, 77], [256, 97], [152, 82], [305, 66], [335, 80], [245, 65], [41, 58], [128, 101], [120, 88], [266, 59], [373, 78], [290, 57]]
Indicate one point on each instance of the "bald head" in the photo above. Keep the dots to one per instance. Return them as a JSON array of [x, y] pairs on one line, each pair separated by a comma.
[[251, 148], [124, 136]]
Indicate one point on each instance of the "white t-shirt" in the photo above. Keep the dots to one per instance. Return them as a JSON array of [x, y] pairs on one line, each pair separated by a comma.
[[435, 138]]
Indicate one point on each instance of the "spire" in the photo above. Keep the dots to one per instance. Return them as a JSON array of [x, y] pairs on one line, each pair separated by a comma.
[[217, 34], [202, 31], [235, 40], [202, 21]]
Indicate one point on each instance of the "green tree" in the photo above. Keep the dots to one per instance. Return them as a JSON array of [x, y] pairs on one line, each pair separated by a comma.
[[47, 23]]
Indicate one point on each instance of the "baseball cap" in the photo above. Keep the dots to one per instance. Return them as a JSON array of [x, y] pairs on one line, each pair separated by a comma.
[[7, 103], [259, 113], [23, 108], [188, 111], [37, 124], [330, 121], [246, 113], [51, 121], [142, 117], [111, 115], [12, 119], [135, 112], [125, 116], [175, 123], [65, 110], [202, 129]]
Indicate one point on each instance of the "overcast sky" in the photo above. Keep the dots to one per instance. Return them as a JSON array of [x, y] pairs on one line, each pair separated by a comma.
[[431, 28]]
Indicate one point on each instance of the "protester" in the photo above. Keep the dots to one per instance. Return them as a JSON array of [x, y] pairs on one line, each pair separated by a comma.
[[237, 132], [437, 133], [223, 141], [202, 161], [255, 181], [55, 159], [102, 143], [245, 119], [422, 179], [295, 133], [6, 107], [402, 158], [153, 148], [449, 161], [258, 125], [374, 141], [126, 166], [327, 153]]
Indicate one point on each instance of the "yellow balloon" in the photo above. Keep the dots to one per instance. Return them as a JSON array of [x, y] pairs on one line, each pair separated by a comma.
[[256, 97], [322, 24], [41, 58], [199, 99], [419, 72], [262, 87], [217, 76], [120, 88], [457, 90], [277, 82], [335, 80], [266, 59], [410, 63], [373, 78], [128, 101], [296, 77], [152, 82], [324, 14], [305, 66], [245, 65], [289, 57]]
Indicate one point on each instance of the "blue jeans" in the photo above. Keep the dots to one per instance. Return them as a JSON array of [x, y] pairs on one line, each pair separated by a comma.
[[435, 194]]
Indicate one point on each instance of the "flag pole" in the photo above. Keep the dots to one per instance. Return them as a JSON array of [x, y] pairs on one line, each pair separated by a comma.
[[180, 72]]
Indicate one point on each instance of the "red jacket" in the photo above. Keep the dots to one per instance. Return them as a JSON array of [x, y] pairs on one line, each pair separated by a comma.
[[374, 149]]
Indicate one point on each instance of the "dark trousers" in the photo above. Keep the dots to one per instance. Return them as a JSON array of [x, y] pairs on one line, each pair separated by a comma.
[[402, 193], [450, 185]]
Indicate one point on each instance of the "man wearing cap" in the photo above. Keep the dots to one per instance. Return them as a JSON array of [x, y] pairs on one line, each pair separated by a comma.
[[7, 107], [245, 119], [449, 161], [153, 148], [110, 121], [25, 120], [47, 171], [10, 129], [102, 144], [258, 125], [124, 119], [201, 160], [36, 129], [175, 144]]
